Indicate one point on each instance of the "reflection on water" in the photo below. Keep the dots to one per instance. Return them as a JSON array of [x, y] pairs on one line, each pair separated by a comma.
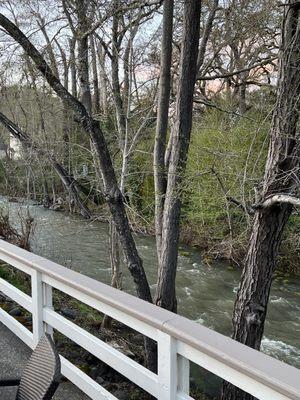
[[205, 294]]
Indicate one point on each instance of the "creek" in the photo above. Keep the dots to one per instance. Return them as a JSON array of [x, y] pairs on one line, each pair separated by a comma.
[[205, 292]]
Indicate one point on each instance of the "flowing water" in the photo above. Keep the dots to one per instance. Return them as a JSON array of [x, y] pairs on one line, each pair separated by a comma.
[[205, 293]]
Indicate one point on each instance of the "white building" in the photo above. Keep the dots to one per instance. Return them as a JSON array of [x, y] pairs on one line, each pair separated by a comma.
[[15, 148]]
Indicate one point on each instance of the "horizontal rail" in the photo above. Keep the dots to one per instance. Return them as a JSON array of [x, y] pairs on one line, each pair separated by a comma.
[[256, 373], [218, 368], [16, 295], [11, 323], [115, 313], [84, 382], [69, 370], [114, 358]]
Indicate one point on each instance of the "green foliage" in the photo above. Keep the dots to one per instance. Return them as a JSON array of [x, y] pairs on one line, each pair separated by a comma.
[[140, 182], [226, 159], [2, 172], [227, 156]]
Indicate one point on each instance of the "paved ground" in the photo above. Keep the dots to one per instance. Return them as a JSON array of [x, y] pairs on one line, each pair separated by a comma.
[[13, 356]]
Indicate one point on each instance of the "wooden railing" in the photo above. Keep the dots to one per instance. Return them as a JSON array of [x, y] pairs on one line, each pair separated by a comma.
[[179, 340]]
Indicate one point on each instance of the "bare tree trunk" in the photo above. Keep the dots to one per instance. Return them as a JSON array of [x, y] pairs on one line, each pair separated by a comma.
[[46, 195], [116, 279], [72, 45], [116, 88], [72, 188], [282, 174], [34, 196], [96, 102], [53, 189], [242, 97], [28, 194], [160, 180], [83, 54], [165, 294], [121, 123], [65, 114], [116, 267], [205, 35], [103, 81]]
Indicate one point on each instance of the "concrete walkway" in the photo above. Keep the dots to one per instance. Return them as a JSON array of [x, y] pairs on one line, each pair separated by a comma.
[[13, 356]]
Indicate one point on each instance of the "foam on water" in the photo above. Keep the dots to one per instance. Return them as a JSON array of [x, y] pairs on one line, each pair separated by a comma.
[[188, 291], [235, 289], [281, 350], [278, 300], [201, 319]]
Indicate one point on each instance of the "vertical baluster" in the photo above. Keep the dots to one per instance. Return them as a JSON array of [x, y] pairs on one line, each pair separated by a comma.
[[47, 292], [167, 367], [183, 375], [37, 306]]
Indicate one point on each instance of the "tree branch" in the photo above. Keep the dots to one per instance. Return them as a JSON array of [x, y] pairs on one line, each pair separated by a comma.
[[279, 199], [230, 74], [246, 209]]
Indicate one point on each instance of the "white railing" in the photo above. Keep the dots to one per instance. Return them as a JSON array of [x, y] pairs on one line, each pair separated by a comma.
[[179, 340]]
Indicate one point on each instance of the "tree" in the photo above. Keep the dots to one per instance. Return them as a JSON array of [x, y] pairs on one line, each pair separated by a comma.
[[282, 174], [180, 139], [162, 120], [241, 51], [73, 187], [92, 129]]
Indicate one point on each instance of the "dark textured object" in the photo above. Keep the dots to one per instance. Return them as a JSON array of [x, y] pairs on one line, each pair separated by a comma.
[[69, 313], [41, 375]]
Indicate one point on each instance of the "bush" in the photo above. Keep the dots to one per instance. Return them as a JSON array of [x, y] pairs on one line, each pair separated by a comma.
[[9, 233]]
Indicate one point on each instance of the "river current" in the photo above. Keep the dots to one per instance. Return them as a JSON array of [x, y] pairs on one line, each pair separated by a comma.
[[205, 293]]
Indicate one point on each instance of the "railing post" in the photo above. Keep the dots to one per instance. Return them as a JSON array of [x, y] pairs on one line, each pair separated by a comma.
[[37, 306], [47, 292], [167, 366], [183, 375]]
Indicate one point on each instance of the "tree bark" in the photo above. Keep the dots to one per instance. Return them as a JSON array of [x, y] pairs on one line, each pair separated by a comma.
[[103, 81], [165, 294], [72, 45], [160, 180], [96, 102], [282, 173], [116, 267], [205, 35], [83, 54], [116, 88]]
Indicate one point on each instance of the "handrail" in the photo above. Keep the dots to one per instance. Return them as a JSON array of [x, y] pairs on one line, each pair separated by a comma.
[[249, 369]]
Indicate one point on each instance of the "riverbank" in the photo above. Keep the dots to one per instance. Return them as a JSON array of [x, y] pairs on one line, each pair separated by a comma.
[[213, 242]]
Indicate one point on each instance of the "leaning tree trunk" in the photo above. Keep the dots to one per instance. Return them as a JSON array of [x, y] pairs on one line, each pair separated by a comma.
[[92, 129], [112, 192], [72, 185], [282, 174], [165, 294]]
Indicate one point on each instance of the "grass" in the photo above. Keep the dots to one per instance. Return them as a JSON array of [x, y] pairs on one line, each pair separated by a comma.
[[15, 278]]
